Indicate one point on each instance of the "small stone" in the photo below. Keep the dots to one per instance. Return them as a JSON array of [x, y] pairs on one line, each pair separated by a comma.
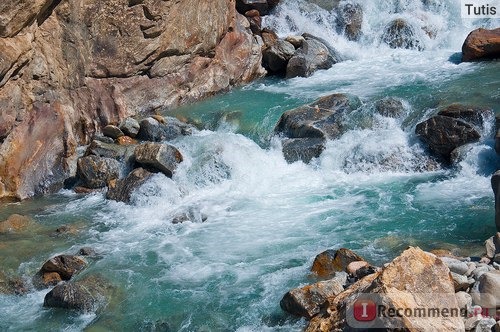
[[492, 246], [353, 267], [112, 131], [486, 291], [87, 251], [130, 127], [159, 118], [126, 140], [296, 41]]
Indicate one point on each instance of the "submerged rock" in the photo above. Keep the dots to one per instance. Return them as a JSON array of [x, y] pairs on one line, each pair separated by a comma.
[[96, 172], [410, 282], [400, 34], [86, 295], [443, 134], [390, 107], [310, 300], [332, 261], [122, 189], [158, 157], [304, 149], [15, 223], [481, 44], [313, 55], [12, 285], [350, 20]]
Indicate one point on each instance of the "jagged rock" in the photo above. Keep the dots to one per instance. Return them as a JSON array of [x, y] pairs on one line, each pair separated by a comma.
[[477, 116], [64, 265], [443, 134], [15, 223], [95, 172], [400, 34], [86, 295], [64, 74], [158, 157], [130, 127], [495, 185], [262, 6], [460, 282], [485, 325], [309, 300], [331, 261], [411, 281], [390, 107], [481, 44], [110, 150], [154, 131], [304, 149], [112, 131], [486, 291], [310, 57], [275, 57], [122, 189], [350, 20]]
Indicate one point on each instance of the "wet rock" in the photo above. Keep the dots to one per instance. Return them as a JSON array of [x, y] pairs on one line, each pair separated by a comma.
[[296, 41], [86, 295], [158, 157], [15, 223], [155, 131], [95, 172], [350, 20], [130, 127], [65, 230], [64, 265], [262, 6], [12, 285], [495, 185], [443, 134], [269, 37], [477, 116], [304, 149], [411, 281], [481, 44], [331, 261], [122, 189], [255, 21], [112, 131], [275, 57], [310, 300], [400, 34], [49, 279], [486, 291], [87, 251], [365, 271], [110, 150], [390, 107], [310, 57], [192, 215]]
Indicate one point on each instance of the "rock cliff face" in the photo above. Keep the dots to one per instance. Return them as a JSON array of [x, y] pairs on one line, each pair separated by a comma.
[[69, 67]]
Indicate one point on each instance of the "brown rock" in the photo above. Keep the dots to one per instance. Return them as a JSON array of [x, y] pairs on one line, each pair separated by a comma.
[[353, 267], [112, 131], [51, 279], [413, 280], [65, 265], [64, 74], [15, 223], [331, 261], [122, 190], [158, 157], [477, 116], [126, 140], [481, 44], [12, 285], [400, 34], [95, 172]]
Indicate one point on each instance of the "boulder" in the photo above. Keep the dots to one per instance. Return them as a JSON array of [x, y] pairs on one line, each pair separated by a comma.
[[455, 265], [155, 131], [112, 131], [296, 41], [486, 291], [353, 267], [412, 281], [477, 116], [255, 21], [460, 282], [310, 300], [444, 134], [389, 107], [262, 6], [158, 157], [485, 325], [96, 172], [87, 295], [15, 223], [304, 149], [310, 57], [481, 44], [110, 150], [64, 265], [130, 127], [495, 185], [275, 57], [122, 189], [400, 34], [464, 300], [331, 261], [492, 246], [350, 20]]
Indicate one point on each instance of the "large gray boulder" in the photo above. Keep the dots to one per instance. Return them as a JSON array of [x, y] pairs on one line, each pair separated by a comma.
[[158, 157], [130, 127], [400, 34], [122, 189], [313, 55], [443, 134], [171, 128], [95, 172], [275, 57]]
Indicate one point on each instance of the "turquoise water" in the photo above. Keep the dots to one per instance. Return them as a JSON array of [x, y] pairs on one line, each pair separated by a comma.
[[268, 219]]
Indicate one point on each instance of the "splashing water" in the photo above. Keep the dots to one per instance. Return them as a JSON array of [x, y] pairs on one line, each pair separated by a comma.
[[266, 220]]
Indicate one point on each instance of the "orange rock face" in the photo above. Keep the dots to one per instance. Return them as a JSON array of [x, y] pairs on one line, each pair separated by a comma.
[[481, 44]]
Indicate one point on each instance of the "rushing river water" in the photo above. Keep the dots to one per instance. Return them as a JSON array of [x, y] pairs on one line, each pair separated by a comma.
[[268, 219]]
